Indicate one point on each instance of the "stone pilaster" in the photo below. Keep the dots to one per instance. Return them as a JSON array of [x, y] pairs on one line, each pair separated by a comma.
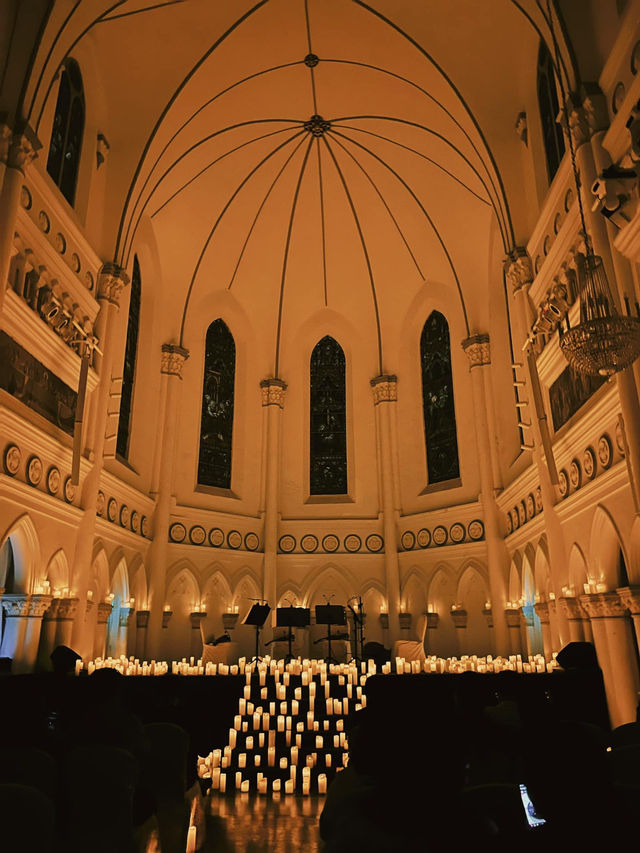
[[196, 618], [142, 623], [100, 637], [542, 609]]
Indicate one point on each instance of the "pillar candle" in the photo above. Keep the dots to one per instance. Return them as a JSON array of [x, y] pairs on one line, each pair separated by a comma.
[[249, 742], [287, 737], [215, 778], [244, 787], [262, 786], [288, 786], [233, 734], [319, 741], [312, 691], [283, 708], [284, 763], [256, 721], [345, 706], [245, 726], [223, 782], [336, 741], [272, 737], [216, 757], [322, 783], [309, 719], [339, 725], [298, 741], [294, 755], [325, 725], [299, 727], [256, 759], [261, 740], [272, 708], [250, 708], [264, 692], [327, 759], [280, 723], [265, 722], [242, 760], [294, 707], [238, 780], [297, 693], [237, 722], [271, 756], [316, 726], [242, 706], [277, 784], [329, 707]]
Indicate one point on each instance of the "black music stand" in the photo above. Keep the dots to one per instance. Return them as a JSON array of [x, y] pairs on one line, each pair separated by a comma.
[[292, 617], [358, 627], [256, 617], [330, 614]]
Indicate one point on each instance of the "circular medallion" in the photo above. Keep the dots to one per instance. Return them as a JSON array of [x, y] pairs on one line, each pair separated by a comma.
[[112, 509], [635, 58], [34, 470], [539, 506], [440, 535], [515, 515], [251, 542], [144, 526], [589, 463], [375, 543], [352, 543], [309, 543], [563, 483], [88, 280], [547, 244], [125, 515], [53, 480], [509, 523], [12, 459], [618, 97], [216, 537], [568, 200], [234, 539], [287, 544], [557, 222], [177, 532], [44, 222], [60, 243], [537, 263], [522, 513], [423, 537], [75, 263], [457, 532], [197, 534], [476, 530], [330, 543], [408, 540], [135, 521], [25, 198], [605, 451], [575, 474], [619, 439], [531, 506], [100, 502], [69, 490]]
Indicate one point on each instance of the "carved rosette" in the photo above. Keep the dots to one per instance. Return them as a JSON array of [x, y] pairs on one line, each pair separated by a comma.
[[38, 605], [173, 359], [513, 616], [104, 611], [272, 391], [67, 608], [459, 618], [519, 268], [126, 616], [142, 618], [570, 607], [630, 598], [606, 605], [385, 388], [18, 146], [542, 609], [112, 280], [478, 350], [196, 618], [15, 605]]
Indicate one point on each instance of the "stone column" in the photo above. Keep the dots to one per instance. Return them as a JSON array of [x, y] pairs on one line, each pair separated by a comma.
[[18, 147], [385, 396], [142, 622], [478, 351], [487, 612], [630, 598], [127, 615], [573, 613], [16, 607], [459, 618], [172, 362], [196, 619], [38, 604], [542, 609], [433, 620], [48, 634], [512, 617], [67, 612], [526, 628], [111, 281], [273, 394], [556, 642], [100, 638], [616, 654], [405, 625], [384, 624]]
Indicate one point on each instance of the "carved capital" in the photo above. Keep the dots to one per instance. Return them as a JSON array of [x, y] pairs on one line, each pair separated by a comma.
[[166, 618], [385, 388], [19, 145], [142, 618], [38, 604], [518, 268], [196, 618], [52, 610], [605, 605], [173, 359], [112, 280], [15, 604], [273, 392], [542, 609], [405, 621], [67, 608], [578, 120], [104, 611], [384, 621], [478, 350], [594, 105], [570, 607], [630, 598], [126, 616], [487, 612], [433, 620], [459, 618], [513, 617]]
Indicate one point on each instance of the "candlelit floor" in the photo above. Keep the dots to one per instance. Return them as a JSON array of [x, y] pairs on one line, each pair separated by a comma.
[[248, 823]]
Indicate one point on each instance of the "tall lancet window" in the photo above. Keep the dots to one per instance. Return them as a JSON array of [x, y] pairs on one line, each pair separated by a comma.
[[68, 128], [552, 134], [129, 366], [437, 401], [328, 420], [216, 427]]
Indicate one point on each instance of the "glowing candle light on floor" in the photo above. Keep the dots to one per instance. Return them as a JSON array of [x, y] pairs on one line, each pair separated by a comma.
[[297, 693], [294, 707], [238, 780], [245, 726], [215, 778], [249, 743], [280, 723], [329, 707], [242, 707], [319, 741], [309, 719], [261, 740], [294, 755], [288, 786], [284, 763], [272, 708], [256, 721], [244, 787], [339, 725], [287, 737], [298, 741], [283, 708], [237, 722]]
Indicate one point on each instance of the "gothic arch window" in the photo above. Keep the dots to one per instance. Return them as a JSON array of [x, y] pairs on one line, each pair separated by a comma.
[[129, 367], [437, 401], [328, 419], [216, 426], [552, 134], [68, 128]]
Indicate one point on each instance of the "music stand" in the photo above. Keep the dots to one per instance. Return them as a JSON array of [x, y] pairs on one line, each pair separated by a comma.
[[358, 626], [292, 617], [330, 614], [256, 617]]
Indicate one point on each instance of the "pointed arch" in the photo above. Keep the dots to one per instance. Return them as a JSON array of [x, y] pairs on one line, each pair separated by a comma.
[[218, 397], [607, 551], [58, 572], [291, 594], [578, 570], [552, 134], [65, 146], [330, 578], [138, 583], [438, 406], [327, 419], [541, 570], [100, 571], [246, 587], [26, 557]]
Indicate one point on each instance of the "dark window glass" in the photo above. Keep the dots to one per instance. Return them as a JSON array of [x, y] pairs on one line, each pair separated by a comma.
[[570, 392], [328, 420], [216, 429], [129, 367], [68, 128], [437, 401], [552, 134]]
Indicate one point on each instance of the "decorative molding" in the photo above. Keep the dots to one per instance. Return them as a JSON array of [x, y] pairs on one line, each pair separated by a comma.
[[142, 618], [67, 608], [606, 605], [570, 608], [173, 359], [630, 598], [273, 392], [112, 280], [542, 609], [459, 617], [19, 145], [385, 388], [15, 605], [433, 620], [518, 268], [478, 350], [513, 617], [126, 616], [196, 617], [104, 611]]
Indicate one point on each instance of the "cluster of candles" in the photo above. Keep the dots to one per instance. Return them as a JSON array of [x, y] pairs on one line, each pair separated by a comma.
[[472, 663]]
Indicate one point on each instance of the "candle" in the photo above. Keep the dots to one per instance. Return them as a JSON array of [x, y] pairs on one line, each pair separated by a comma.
[[272, 708], [244, 787], [264, 693], [297, 693], [280, 723], [329, 707], [284, 763], [309, 719], [277, 784], [238, 780], [265, 722], [327, 759], [215, 778], [322, 783], [294, 707], [262, 786], [191, 839], [78, 667], [336, 741], [223, 782], [247, 692], [237, 722], [325, 725], [288, 786], [298, 741], [283, 708], [245, 726], [287, 737], [249, 742], [242, 707], [339, 725], [319, 741], [271, 756], [256, 721], [261, 740], [294, 755], [233, 734], [256, 759], [242, 760]]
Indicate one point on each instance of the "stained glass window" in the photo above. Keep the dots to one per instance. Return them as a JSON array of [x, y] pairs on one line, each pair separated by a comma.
[[216, 429], [129, 367], [437, 401], [68, 128], [328, 420], [552, 134]]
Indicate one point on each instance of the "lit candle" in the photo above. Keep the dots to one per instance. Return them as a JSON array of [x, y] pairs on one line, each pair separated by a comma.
[[294, 707], [294, 755], [256, 759], [191, 839], [249, 743], [277, 784], [284, 763], [256, 721], [309, 719], [244, 787], [271, 756], [238, 780], [242, 760], [215, 778], [272, 708], [242, 707], [336, 741], [287, 737], [322, 783], [261, 740], [280, 723], [237, 722], [223, 782], [319, 741], [339, 725], [233, 734], [283, 708], [329, 707], [327, 759], [297, 693], [288, 786]]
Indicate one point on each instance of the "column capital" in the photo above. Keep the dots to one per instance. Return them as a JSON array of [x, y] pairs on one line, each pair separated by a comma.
[[630, 598], [513, 616], [433, 620], [15, 604], [542, 609], [603, 605], [126, 616], [112, 280], [173, 359], [104, 611], [478, 350], [52, 610], [571, 608], [405, 621], [196, 618], [38, 604], [487, 612], [273, 392], [142, 618], [518, 268], [19, 145], [385, 388], [459, 617], [67, 608]]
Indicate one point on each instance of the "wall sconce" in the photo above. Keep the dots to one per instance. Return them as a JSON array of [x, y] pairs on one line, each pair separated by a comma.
[[167, 613]]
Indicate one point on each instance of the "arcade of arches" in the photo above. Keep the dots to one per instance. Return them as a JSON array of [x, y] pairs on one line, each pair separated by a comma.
[[277, 321]]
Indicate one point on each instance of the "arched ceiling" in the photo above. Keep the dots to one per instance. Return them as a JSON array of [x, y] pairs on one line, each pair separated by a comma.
[[311, 153]]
